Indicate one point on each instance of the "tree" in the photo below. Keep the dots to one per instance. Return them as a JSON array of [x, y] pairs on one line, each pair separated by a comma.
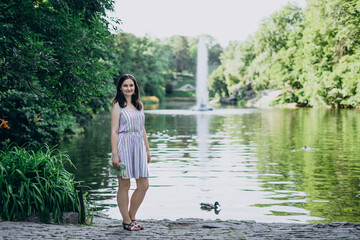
[[181, 54], [51, 50], [217, 82]]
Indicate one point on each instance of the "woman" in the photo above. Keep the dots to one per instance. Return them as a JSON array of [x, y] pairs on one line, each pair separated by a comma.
[[130, 149]]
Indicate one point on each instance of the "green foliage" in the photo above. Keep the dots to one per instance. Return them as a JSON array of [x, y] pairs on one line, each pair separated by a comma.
[[169, 88], [181, 54], [217, 82], [31, 120], [35, 182], [313, 54], [53, 48], [50, 55]]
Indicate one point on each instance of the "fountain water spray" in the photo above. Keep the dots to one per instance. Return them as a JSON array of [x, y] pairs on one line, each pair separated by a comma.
[[202, 99]]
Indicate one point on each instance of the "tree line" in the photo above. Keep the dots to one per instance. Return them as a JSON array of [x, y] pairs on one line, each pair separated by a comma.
[[313, 54]]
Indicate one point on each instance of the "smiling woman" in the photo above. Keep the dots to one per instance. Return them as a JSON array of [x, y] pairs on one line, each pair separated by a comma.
[[130, 148]]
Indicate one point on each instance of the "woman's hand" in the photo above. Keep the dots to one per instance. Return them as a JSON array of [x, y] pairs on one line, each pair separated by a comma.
[[148, 157], [116, 162]]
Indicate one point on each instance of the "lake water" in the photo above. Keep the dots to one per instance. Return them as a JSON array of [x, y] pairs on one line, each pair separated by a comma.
[[273, 165]]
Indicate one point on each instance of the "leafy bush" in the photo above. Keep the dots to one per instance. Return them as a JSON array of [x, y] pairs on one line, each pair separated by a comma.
[[286, 96], [169, 88], [150, 100], [35, 182], [31, 120]]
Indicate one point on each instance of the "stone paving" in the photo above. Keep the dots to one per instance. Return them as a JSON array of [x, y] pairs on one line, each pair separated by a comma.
[[188, 228]]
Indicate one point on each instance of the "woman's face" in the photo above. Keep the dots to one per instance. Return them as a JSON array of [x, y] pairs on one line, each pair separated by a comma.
[[128, 87]]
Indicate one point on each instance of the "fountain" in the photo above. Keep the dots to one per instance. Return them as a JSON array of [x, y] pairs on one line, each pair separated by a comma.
[[202, 99]]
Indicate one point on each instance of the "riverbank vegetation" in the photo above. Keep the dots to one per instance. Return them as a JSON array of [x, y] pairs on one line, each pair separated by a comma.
[[36, 182], [313, 54]]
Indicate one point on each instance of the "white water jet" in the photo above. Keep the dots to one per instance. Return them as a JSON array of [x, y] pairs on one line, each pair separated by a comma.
[[202, 98]]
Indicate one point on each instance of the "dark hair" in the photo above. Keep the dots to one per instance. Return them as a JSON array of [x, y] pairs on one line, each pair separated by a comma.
[[120, 98]]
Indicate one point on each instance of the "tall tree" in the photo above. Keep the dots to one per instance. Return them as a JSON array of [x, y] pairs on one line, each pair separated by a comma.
[[50, 56], [181, 54]]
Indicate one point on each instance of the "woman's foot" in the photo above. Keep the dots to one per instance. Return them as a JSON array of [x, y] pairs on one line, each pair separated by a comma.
[[132, 226], [138, 224]]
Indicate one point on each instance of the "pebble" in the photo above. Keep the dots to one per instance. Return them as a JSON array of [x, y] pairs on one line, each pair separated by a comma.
[[104, 227]]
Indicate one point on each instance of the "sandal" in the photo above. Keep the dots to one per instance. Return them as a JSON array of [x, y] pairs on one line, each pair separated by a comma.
[[138, 224], [131, 226]]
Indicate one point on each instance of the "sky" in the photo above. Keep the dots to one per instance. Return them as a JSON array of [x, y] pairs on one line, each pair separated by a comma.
[[225, 20]]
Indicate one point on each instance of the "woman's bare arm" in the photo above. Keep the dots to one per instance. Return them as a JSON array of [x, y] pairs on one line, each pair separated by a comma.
[[115, 118], [147, 146]]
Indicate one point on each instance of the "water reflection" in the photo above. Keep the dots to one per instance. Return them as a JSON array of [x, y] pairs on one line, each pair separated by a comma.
[[203, 140], [270, 165], [311, 164]]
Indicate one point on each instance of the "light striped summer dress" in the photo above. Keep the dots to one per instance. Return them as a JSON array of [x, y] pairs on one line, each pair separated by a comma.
[[131, 145]]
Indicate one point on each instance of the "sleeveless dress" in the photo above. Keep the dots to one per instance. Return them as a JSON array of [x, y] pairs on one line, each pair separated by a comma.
[[131, 146]]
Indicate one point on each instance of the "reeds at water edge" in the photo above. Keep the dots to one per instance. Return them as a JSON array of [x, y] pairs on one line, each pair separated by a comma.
[[36, 182]]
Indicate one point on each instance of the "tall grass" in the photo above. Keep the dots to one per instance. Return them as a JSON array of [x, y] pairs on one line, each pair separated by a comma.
[[35, 182]]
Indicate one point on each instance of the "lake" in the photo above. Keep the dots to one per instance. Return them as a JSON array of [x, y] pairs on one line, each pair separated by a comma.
[[268, 165]]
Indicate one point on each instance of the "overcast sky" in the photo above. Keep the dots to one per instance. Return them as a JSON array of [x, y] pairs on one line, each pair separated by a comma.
[[226, 20]]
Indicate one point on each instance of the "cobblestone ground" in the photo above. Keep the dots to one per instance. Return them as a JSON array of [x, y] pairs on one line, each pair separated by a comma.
[[189, 228]]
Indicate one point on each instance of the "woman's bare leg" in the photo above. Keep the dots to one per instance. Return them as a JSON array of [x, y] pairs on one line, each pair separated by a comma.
[[123, 199], [142, 185]]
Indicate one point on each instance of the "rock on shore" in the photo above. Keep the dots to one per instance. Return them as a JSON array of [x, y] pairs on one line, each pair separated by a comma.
[[189, 228], [265, 99]]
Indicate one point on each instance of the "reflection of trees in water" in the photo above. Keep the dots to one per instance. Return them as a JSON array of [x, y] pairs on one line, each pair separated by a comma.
[[89, 153], [315, 152], [167, 132]]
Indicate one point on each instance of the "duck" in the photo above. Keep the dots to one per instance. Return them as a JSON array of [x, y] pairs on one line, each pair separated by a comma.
[[209, 206]]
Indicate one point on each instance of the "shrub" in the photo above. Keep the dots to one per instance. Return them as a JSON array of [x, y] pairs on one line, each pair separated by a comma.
[[35, 182], [31, 119], [150, 99], [169, 88]]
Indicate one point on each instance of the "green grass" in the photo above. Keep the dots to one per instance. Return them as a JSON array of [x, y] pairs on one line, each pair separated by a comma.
[[35, 182]]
